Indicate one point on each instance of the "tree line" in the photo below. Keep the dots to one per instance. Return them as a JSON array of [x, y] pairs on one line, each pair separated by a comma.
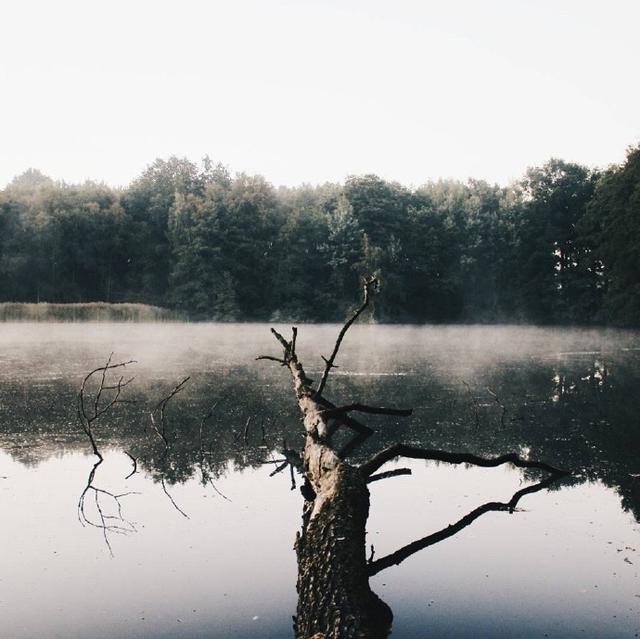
[[562, 245]]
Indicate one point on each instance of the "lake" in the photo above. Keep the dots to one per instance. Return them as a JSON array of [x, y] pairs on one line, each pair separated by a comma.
[[198, 541]]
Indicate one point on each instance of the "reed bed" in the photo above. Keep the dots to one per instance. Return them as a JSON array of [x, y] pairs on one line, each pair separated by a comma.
[[85, 312]]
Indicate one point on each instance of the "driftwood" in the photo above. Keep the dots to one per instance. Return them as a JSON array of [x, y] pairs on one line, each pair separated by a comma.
[[335, 600]]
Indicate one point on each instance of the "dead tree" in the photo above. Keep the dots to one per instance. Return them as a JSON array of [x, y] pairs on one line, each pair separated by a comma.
[[104, 511], [106, 396], [335, 600]]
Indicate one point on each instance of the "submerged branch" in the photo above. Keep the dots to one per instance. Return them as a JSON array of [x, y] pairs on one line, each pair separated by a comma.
[[87, 416]]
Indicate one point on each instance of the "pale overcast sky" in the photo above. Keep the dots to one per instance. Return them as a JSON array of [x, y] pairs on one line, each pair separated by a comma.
[[310, 91]]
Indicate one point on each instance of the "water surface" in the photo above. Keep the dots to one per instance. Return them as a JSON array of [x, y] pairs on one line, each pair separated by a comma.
[[208, 543]]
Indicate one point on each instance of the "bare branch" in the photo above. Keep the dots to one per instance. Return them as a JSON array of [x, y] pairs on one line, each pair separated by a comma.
[[135, 464], [342, 418], [87, 416], [279, 469], [403, 553], [162, 405], [160, 434], [414, 452], [396, 472], [283, 342], [179, 386], [326, 361], [363, 408], [166, 492], [273, 359], [293, 477], [106, 522], [369, 283]]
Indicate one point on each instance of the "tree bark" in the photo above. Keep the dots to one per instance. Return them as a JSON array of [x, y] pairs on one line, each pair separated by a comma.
[[334, 597]]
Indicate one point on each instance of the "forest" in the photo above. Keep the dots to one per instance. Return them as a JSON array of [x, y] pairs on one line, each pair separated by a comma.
[[559, 246]]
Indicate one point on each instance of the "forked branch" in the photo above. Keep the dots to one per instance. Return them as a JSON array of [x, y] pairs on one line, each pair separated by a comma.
[[413, 452], [90, 411], [107, 513]]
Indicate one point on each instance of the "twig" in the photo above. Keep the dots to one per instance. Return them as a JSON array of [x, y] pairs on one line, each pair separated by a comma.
[[135, 464], [279, 469], [502, 406], [163, 405], [88, 417], [273, 359], [166, 492], [158, 432], [293, 477]]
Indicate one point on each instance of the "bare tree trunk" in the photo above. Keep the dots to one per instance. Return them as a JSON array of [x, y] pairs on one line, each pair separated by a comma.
[[334, 597]]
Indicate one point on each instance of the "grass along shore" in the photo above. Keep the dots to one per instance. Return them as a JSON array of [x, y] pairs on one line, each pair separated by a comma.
[[85, 312]]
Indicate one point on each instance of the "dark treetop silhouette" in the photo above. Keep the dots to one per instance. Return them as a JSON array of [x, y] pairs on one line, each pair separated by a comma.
[[334, 597], [558, 246]]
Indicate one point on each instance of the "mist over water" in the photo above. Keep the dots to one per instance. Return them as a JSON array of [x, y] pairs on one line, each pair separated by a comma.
[[567, 565]]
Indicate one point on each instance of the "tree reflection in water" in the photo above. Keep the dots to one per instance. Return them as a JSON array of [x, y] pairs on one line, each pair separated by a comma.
[[578, 414]]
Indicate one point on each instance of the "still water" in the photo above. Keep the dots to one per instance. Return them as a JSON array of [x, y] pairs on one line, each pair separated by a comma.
[[198, 541]]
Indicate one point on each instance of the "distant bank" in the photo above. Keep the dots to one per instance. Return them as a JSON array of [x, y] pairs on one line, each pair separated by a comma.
[[85, 312]]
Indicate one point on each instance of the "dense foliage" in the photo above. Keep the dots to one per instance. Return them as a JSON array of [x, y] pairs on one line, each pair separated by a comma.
[[561, 245]]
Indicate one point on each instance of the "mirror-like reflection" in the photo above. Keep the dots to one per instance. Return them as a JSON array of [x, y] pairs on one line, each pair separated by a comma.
[[233, 422]]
